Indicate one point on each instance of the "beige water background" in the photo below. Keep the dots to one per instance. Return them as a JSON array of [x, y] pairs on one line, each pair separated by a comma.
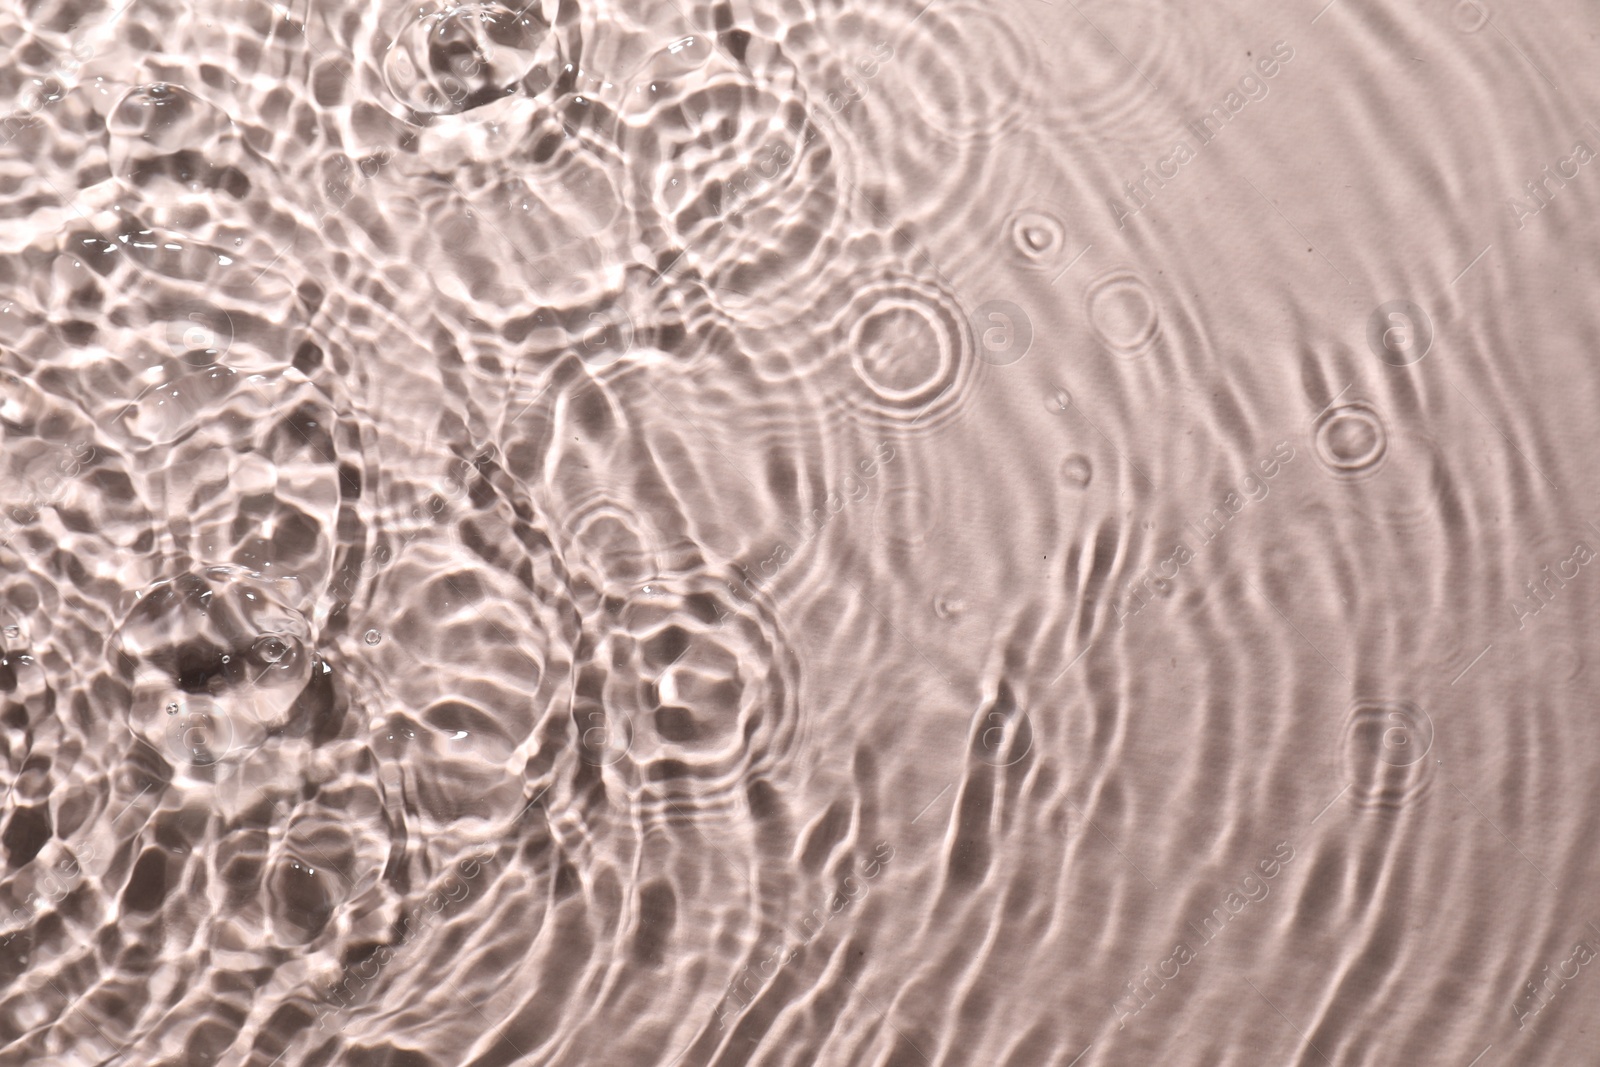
[[1047, 532]]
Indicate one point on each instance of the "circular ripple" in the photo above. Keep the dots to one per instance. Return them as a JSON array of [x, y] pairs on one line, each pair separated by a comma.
[[1391, 476], [1386, 746], [608, 338], [916, 122], [915, 62], [898, 349], [910, 345], [691, 694], [967, 98], [215, 659], [1400, 333], [605, 542], [1350, 440], [1123, 313], [452, 58], [1099, 100], [736, 182], [1038, 236]]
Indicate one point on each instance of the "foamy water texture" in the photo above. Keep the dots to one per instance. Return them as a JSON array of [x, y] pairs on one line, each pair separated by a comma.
[[866, 532]]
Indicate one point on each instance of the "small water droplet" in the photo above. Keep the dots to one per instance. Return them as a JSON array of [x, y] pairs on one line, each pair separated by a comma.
[[271, 648], [1076, 470], [172, 709], [372, 637], [1058, 402], [12, 633], [1038, 235]]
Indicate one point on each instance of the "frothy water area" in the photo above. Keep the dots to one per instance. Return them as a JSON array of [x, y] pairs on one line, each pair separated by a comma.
[[850, 532]]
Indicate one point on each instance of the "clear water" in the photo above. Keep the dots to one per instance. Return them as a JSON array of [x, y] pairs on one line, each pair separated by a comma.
[[1050, 532]]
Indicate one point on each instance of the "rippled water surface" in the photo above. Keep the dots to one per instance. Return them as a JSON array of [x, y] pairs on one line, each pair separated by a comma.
[[849, 532]]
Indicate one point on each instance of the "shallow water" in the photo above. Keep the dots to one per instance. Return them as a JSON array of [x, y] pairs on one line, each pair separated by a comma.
[[864, 532]]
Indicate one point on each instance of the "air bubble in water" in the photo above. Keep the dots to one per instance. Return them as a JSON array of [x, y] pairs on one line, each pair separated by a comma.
[[372, 637], [1076, 470], [1039, 236]]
